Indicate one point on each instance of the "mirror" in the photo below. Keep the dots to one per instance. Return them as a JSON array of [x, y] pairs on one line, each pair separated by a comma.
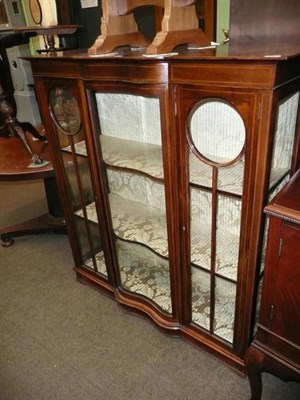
[[36, 11]]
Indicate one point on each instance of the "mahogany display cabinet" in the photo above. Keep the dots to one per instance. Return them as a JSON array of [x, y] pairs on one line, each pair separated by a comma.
[[276, 346], [173, 161]]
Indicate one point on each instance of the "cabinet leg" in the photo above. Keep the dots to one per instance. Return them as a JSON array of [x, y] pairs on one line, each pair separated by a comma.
[[6, 240], [254, 361]]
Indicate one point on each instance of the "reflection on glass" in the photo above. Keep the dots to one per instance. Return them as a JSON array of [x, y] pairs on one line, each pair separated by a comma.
[[64, 110]]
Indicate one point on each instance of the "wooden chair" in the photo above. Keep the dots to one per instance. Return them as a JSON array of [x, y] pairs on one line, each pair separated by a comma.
[[180, 25]]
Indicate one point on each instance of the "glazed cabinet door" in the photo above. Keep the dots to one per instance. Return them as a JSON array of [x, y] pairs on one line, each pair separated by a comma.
[[213, 140], [132, 131], [227, 153], [67, 134]]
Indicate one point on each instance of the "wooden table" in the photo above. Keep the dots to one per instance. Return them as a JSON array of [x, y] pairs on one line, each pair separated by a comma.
[[15, 165], [48, 32]]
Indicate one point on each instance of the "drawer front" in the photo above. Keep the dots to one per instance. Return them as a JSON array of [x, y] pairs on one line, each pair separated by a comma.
[[282, 349], [224, 74]]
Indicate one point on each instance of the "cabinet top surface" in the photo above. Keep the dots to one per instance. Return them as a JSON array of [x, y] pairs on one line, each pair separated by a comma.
[[255, 51]]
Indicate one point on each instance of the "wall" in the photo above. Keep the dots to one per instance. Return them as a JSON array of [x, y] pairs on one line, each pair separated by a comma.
[[223, 12]]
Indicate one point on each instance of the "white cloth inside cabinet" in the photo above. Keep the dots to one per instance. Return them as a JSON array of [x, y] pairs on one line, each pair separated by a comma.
[[217, 130], [129, 116], [284, 137]]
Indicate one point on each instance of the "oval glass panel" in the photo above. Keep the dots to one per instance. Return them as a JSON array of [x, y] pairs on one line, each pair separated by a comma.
[[216, 131], [36, 11], [64, 110]]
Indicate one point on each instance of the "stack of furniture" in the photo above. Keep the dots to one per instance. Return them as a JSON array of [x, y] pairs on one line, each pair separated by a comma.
[[174, 158]]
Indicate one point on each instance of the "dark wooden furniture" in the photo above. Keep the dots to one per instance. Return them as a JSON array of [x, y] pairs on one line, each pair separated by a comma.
[[206, 12], [174, 160], [49, 33], [276, 346], [15, 165]]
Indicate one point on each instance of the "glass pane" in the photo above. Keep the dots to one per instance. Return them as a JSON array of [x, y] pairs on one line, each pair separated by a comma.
[[138, 210], [132, 151], [201, 298], [144, 273], [64, 110], [284, 138], [217, 131], [66, 115], [225, 294], [228, 236], [201, 211]]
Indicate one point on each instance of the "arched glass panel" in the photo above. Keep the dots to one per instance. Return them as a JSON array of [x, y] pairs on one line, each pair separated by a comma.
[[217, 131]]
